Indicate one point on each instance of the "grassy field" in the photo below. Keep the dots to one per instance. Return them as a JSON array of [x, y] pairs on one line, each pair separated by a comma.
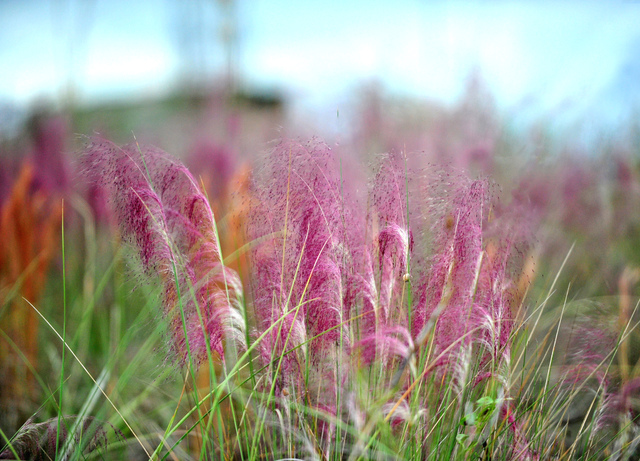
[[468, 294]]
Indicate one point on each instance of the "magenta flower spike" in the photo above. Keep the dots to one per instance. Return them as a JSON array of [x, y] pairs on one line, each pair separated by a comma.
[[164, 215]]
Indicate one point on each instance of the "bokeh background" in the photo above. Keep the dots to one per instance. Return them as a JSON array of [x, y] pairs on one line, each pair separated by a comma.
[[570, 67]]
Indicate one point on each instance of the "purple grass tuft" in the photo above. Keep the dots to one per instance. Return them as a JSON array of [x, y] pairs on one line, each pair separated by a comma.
[[469, 294], [299, 260], [453, 274], [164, 215], [374, 291], [300, 213]]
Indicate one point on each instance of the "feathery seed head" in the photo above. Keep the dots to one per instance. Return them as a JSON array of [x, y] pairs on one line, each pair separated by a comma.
[[163, 214]]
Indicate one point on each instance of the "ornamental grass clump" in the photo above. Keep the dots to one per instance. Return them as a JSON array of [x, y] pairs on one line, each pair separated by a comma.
[[385, 326], [393, 240], [335, 276], [298, 216], [166, 218], [298, 262]]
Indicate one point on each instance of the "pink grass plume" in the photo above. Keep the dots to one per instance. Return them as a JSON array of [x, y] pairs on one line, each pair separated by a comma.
[[165, 217]]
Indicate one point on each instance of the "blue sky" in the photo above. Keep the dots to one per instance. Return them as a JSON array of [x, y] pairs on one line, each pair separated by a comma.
[[549, 54]]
